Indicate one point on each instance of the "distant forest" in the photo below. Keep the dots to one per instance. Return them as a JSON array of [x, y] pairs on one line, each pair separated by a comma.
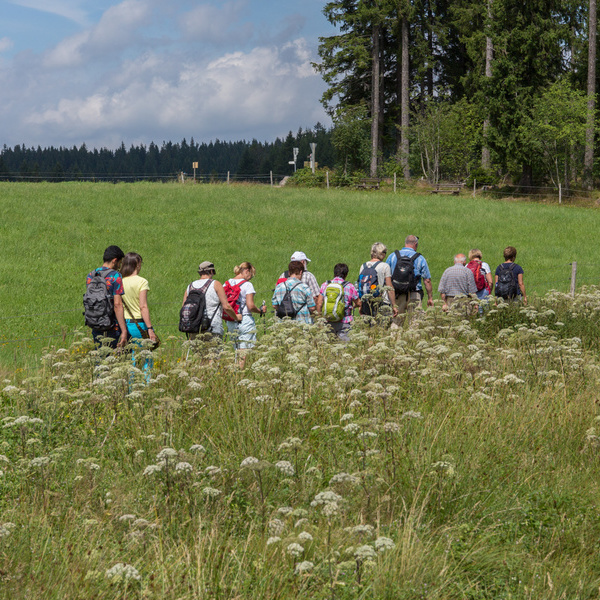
[[242, 159]]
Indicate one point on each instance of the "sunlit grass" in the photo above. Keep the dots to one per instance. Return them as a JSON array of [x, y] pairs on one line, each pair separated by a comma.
[[54, 234]]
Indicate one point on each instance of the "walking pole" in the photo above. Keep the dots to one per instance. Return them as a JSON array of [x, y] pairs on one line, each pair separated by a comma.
[[262, 315]]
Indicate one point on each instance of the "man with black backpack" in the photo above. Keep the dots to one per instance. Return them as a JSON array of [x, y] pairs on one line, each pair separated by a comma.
[[102, 303], [292, 298], [509, 277], [410, 273]]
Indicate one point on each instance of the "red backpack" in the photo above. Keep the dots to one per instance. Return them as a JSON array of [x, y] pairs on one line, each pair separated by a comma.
[[233, 295], [480, 281]]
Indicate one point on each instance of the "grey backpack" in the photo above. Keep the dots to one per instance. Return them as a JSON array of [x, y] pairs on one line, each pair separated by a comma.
[[98, 304]]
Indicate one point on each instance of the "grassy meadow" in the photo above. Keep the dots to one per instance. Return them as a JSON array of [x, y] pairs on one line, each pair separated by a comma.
[[54, 234], [457, 457]]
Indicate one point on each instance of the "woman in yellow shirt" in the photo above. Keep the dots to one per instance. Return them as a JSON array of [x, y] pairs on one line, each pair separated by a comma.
[[135, 305]]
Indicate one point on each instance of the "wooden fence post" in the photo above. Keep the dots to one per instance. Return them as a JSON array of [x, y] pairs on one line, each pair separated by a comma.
[[395, 177], [560, 198], [227, 177], [573, 277], [271, 175], [327, 175]]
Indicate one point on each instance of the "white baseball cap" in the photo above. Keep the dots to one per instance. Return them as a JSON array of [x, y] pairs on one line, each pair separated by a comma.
[[299, 256]]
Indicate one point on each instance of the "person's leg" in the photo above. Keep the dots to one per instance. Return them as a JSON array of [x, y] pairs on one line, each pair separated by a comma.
[[342, 330], [98, 336], [246, 338]]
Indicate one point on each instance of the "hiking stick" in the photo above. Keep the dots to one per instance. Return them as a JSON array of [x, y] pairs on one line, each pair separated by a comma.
[[262, 315]]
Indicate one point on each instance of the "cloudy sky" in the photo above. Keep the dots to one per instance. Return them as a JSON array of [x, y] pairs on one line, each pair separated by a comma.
[[106, 71]]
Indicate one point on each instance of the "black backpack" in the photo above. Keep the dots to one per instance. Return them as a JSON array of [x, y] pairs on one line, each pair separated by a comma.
[[403, 277], [98, 303], [507, 286], [286, 308], [192, 316]]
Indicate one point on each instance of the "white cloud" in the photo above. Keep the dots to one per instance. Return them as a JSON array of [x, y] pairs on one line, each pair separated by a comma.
[[116, 30], [68, 9], [218, 25], [266, 89], [5, 44]]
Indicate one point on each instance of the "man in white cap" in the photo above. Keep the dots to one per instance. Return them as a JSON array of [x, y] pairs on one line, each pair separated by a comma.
[[307, 277]]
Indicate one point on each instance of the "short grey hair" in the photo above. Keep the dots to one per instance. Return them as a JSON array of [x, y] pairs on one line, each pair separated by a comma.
[[378, 250], [460, 259], [411, 240]]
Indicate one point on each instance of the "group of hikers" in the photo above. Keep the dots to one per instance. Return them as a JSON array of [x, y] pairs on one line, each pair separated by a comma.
[[116, 297]]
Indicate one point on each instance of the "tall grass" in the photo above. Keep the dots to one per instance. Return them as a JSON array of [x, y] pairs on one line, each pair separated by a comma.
[[453, 458], [54, 234]]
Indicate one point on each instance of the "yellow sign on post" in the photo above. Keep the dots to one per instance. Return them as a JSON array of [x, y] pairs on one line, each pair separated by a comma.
[[194, 166]]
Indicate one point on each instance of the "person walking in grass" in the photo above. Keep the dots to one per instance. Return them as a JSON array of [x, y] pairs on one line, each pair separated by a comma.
[[103, 307], [482, 273], [240, 293], [457, 282], [338, 297], [135, 307], [373, 276], [410, 273], [216, 300], [508, 281], [294, 297], [307, 277]]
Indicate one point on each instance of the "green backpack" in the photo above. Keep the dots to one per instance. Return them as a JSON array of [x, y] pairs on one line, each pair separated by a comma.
[[334, 305]]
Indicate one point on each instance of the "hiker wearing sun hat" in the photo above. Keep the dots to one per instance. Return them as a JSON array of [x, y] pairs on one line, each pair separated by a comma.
[[215, 300], [307, 277]]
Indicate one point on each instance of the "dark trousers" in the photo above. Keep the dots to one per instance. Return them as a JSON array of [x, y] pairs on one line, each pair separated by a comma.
[[113, 334]]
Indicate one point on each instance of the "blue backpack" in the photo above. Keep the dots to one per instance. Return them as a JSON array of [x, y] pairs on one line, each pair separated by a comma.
[[368, 284]]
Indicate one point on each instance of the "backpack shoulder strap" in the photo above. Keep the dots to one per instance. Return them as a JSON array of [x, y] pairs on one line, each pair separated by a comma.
[[415, 256]]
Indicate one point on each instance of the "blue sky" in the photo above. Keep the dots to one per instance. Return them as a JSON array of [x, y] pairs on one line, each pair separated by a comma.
[[103, 72]]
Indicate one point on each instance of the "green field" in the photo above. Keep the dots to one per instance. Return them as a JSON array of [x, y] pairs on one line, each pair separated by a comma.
[[53, 234], [456, 458]]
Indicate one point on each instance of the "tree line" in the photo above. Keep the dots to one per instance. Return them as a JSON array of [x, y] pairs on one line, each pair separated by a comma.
[[241, 159], [450, 89]]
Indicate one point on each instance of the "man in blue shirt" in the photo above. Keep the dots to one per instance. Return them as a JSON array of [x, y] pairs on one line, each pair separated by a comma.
[[407, 302]]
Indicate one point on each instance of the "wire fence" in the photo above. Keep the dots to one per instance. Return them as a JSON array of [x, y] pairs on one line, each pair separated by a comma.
[[178, 176]]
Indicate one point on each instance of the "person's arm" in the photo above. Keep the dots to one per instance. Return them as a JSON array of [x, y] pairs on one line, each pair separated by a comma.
[[429, 290], [319, 303], [252, 307], [224, 302], [146, 314], [120, 314], [392, 295], [185, 295], [310, 303], [472, 286], [521, 287], [314, 286], [445, 305], [489, 279]]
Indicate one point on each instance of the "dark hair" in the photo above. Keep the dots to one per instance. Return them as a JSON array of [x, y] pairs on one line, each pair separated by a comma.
[[131, 262], [510, 253], [340, 270], [113, 252], [296, 268]]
